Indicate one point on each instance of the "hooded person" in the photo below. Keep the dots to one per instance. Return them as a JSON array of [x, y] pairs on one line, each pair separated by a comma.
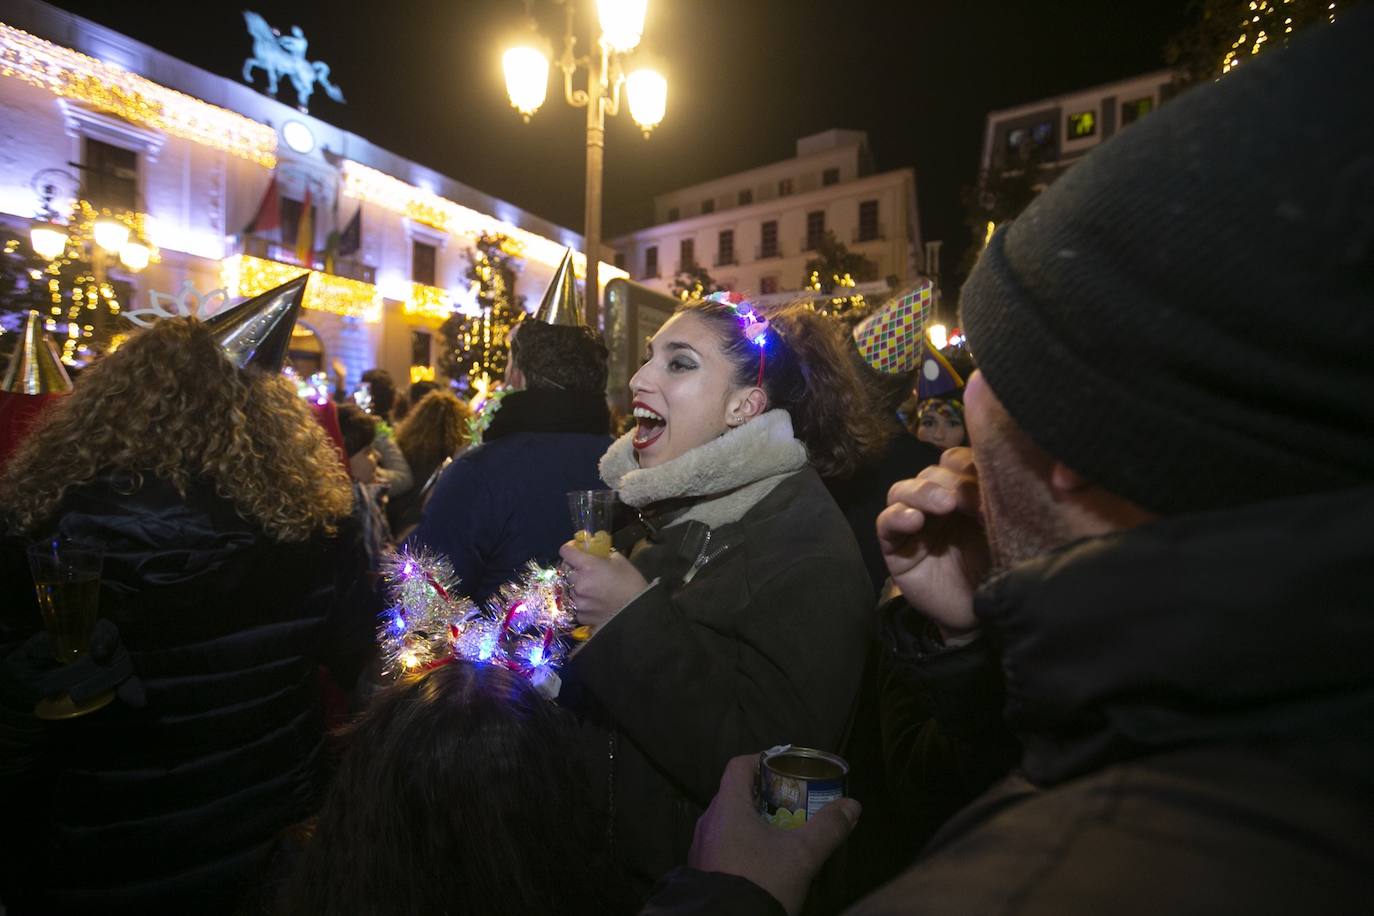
[[504, 502], [1164, 535], [34, 377], [231, 573]]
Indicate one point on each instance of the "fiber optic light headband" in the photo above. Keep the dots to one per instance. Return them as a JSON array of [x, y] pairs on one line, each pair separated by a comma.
[[754, 325]]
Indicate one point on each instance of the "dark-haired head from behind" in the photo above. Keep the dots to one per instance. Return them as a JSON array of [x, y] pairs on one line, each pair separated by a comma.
[[560, 357], [383, 391], [460, 792]]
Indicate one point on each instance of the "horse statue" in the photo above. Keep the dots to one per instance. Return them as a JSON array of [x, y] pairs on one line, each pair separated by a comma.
[[284, 55]]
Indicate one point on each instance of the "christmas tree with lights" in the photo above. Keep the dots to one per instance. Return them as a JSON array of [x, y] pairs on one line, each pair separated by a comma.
[[1227, 33], [475, 345]]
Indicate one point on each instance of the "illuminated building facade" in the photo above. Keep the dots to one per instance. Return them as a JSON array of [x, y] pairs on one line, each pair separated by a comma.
[[754, 231], [193, 155]]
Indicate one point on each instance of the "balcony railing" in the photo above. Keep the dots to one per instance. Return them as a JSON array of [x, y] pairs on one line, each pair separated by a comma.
[[763, 252], [725, 259], [869, 234], [272, 250], [811, 243]]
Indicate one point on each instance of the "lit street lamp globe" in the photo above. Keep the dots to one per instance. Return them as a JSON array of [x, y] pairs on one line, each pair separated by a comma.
[[527, 78], [110, 234], [622, 23], [648, 96], [49, 240]]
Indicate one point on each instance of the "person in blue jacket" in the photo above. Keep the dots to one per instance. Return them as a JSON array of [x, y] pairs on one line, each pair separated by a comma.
[[504, 503]]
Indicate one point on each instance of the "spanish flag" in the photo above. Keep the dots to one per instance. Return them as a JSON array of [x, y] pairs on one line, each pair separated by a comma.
[[305, 233]]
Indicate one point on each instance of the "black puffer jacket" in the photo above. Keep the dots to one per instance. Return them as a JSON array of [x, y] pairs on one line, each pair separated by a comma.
[[169, 807], [762, 646]]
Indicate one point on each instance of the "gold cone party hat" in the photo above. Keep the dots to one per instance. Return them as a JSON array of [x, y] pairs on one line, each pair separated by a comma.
[[257, 332], [890, 339], [562, 304], [35, 367]]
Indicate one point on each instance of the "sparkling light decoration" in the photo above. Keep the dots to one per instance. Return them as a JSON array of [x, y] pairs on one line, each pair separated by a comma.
[[367, 184], [245, 275], [1267, 20], [428, 302], [107, 87], [313, 388], [78, 292], [525, 627], [838, 305]]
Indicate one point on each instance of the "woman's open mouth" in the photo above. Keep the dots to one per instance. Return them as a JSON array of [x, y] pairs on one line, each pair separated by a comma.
[[650, 426]]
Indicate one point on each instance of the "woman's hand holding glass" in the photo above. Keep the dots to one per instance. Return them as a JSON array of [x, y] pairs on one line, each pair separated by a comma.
[[600, 586]]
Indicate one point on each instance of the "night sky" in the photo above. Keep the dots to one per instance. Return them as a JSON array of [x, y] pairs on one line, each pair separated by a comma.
[[746, 79]]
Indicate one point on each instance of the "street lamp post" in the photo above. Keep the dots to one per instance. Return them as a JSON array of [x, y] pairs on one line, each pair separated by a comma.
[[527, 68]]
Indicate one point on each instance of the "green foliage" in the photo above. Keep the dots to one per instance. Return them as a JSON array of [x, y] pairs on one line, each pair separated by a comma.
[[833, 266], [477, 346], [1226, 33], [693, 282]]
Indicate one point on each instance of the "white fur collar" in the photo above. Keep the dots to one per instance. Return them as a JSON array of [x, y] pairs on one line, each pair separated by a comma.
[[729, 474]]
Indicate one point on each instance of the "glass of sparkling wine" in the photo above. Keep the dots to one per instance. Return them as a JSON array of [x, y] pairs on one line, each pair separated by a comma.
[[591, 518], [66, 575]]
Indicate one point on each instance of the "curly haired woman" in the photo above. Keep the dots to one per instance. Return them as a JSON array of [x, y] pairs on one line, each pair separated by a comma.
[[433, 430], [232, 573]]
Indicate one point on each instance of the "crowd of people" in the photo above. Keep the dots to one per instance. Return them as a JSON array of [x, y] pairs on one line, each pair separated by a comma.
[[1091, 626]]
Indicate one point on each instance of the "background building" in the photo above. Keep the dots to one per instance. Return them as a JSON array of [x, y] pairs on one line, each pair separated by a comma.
[[1062, 129], [754, 231], [193, 155]]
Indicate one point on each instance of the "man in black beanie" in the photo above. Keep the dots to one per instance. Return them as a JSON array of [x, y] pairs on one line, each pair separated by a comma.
[[1173, 462]]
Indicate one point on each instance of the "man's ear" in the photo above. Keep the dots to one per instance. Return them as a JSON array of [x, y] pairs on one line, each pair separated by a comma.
[[745, 405], [1064, 479]]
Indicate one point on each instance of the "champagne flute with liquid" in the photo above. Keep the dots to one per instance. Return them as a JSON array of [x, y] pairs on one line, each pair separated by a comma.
[[66, 575]]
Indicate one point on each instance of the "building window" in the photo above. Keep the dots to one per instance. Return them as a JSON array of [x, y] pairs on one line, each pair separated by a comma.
[[784, 187], [421, 346], [868, 221], [686, 254], [673, 214], [422, 262], [1136, 109], [708, 206], [1082, 124], [651, 261], [725, 247], [111, 176], [768, 285], [768, 239], [815, 229], [830, 176], [746, 196]]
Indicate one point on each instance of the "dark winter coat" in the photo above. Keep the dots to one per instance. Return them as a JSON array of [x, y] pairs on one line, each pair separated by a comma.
[[169, 807], [862, 496], [763, 646], [1196, 701], [505, 502]]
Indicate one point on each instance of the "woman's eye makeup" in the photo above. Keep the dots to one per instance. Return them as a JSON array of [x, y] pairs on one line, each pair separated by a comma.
[[681, 364]]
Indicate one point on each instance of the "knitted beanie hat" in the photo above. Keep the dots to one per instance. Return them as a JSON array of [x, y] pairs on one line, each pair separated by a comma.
[[1186, 317]]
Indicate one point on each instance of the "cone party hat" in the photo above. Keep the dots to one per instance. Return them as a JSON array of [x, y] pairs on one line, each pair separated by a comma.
[[257, 332], [890, 339], [35, 367], [562, 304]]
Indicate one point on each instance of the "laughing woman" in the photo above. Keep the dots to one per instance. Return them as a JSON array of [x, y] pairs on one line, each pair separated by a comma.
[[735, 613]]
